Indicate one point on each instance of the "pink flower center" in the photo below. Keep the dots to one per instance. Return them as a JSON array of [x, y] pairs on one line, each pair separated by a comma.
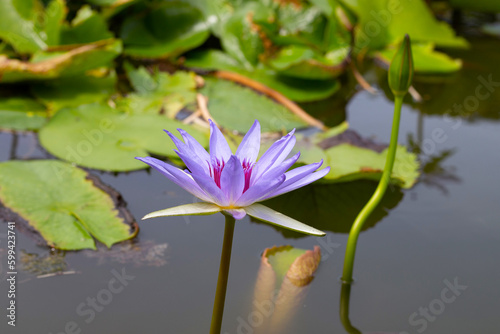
[[216, 170], [217, 167], [247, 169]]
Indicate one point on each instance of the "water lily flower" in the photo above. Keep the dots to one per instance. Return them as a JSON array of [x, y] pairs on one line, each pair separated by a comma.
[[234, 183]]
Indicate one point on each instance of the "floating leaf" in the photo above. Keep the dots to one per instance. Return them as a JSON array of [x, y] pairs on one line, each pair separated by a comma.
[[74, 91], [426, 59], [240, 37], [60, 202], [21, 114], [234, 107], [295, 89], [98, 136], [88, 26], [17, 26], [166, 31], [303, 62], [159, 92], [385, 22], [50, 65], [352, 157]]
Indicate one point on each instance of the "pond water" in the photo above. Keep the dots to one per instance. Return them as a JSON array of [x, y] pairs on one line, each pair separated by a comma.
[[429, 261]]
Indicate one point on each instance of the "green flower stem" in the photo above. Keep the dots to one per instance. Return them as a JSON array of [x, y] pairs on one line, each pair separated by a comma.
[[377, 195], [345, 295], [220, 293]]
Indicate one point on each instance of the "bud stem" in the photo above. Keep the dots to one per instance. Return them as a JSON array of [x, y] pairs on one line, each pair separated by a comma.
[[376, 197]]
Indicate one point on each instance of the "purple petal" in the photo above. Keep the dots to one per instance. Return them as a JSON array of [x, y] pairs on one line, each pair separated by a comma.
[[219, 148], [178, 176], [232, 179], [260, 190], [184, 150], [192, 162], [274, 155], [300, 183], [194, 145], [237, 213], [250, 145], [283, 167], [211, 189]]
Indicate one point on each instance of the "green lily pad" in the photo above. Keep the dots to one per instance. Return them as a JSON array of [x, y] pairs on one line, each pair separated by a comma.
[[351, 162], [240, 38], [51, 65], [100, 137], [352, 157], [234, 107], [303, 62], [385, 22], [21, 114], [74, 91], [426, 59], [17, 26], [159, 92], [58, 201], [88, 26], [296, 89], [166, 31]]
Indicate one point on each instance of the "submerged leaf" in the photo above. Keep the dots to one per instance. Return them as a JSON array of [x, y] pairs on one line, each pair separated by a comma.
[[288, 270], [58, 200]]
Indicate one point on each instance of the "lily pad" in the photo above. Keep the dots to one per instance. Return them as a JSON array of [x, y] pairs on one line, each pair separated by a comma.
[[88, 26], [426, 59], [159, 92], [100, 137], [296, 89], [50, 65], [234, 107], [385, 22], [59, 201], [303, 62], [74, 91], [168, 30], [21, 114], [352, 157], [17, 26]]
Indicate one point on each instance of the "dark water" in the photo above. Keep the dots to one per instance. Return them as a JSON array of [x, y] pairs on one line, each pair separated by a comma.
[[443, 232]]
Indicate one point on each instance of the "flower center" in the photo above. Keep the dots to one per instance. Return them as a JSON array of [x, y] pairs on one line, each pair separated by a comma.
[[217, 166], [216, 170], [247, 169]]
